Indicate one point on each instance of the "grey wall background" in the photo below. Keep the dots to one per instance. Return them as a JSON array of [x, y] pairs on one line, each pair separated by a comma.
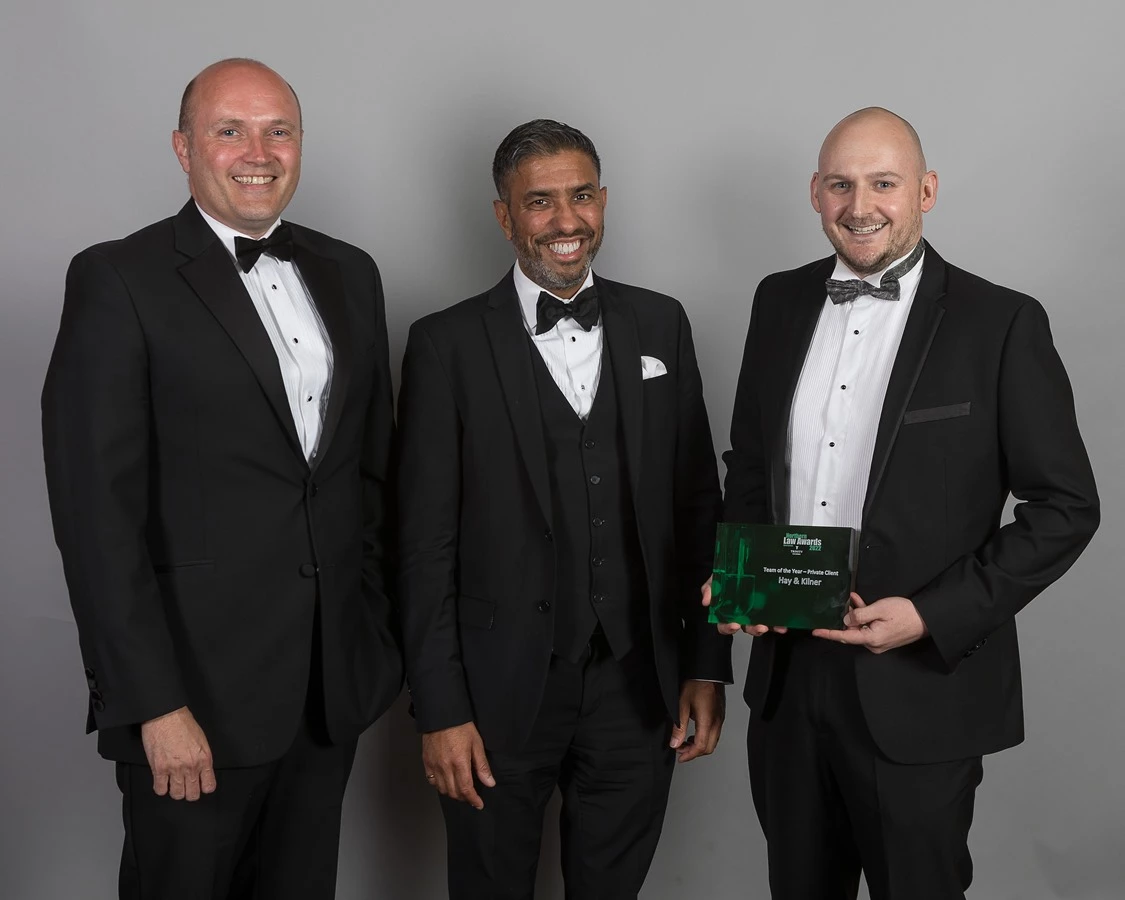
[[708, 117]]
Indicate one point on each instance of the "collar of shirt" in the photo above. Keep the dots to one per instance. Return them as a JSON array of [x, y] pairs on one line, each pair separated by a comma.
[[528, 293], [226, 234], [907, 285]]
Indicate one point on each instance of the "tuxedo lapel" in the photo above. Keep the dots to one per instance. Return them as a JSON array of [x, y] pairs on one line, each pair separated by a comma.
[[921, 326], [791, 347], [326, 286], [624, 346], [508, 339], [211, 274]]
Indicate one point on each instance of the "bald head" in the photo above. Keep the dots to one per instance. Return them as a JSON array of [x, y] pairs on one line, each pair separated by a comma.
[[217, 70], [875, 125], [871, 189]]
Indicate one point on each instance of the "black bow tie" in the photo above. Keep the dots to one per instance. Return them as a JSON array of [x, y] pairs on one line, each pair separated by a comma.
[[279, 245], [583, 309], [847, 291]]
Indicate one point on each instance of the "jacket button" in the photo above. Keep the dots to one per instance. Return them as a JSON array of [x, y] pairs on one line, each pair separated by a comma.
[[598, 598], [595, 479], [544, 606], [313, 489], [597, 560], [98, 706], [89, 672], [96, 695], [598, 521], [548, 536], [589, 445], [307, 570]]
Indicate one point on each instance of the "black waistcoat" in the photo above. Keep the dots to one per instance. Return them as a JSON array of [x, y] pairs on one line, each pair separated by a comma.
[[600, 573]]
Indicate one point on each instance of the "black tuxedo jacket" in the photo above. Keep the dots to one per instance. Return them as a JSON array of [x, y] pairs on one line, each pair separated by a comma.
[[978, 407], [475, 519], [198, 543]]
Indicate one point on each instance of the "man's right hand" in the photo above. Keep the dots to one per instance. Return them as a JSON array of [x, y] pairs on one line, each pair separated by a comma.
[[179, 755], [451, 757]]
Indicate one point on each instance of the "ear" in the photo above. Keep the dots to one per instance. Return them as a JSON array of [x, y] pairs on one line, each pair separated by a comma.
[[929, 190], [180, 146], [812, 191], [605, 194], [503, 216]]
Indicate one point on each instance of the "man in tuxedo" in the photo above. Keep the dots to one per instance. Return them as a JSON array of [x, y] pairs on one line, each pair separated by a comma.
[[217, 427], [558, 496], [886, 390]]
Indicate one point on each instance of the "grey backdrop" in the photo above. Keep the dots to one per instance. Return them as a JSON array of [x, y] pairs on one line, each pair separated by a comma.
[[708, 116]]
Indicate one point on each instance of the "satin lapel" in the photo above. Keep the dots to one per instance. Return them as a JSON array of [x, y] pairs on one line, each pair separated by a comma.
[[791, 348], [508, 338], [921, 326], [620, 323], [326, 286], [211, 274]]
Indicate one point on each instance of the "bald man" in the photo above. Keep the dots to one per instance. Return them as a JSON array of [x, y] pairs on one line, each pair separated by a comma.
[[886, 390], [217, 427]]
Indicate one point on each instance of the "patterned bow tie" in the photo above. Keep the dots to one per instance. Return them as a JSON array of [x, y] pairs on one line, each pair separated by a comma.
[[279, 245], [583, 309], [847, 291]]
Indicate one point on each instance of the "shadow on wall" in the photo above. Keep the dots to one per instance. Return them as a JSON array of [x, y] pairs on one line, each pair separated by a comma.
[[1087, 870]]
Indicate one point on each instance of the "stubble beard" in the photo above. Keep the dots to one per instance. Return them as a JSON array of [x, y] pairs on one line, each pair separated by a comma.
[[894, 250], [540, 271]]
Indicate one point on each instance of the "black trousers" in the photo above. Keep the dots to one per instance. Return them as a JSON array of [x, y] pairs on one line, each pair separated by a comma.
[[602, 736], [268, 832], [831, 804]]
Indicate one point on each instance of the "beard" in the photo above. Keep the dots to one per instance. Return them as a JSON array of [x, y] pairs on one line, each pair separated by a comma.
[[896, 248], [535, 262]]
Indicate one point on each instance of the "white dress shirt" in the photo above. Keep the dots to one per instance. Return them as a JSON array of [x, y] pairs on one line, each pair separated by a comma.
[[839, 399], [304, 351], [573, 355]]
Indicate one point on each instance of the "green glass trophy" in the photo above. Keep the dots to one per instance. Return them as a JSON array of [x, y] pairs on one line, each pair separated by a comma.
[[799, 576]]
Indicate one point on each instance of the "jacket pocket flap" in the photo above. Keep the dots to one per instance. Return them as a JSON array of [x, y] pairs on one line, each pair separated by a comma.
[[476, 611], [934, 413]]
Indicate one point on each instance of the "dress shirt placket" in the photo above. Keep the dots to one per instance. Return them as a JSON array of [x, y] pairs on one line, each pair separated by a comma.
[[844, 394]]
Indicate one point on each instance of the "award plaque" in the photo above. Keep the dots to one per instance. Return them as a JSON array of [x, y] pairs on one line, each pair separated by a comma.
[[799, 576]]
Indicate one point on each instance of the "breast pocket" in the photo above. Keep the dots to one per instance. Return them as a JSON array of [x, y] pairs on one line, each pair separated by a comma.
[[936, 413]]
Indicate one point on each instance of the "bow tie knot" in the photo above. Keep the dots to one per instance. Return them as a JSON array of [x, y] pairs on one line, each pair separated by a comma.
[[278, 245], [583, 309], [888, 289]]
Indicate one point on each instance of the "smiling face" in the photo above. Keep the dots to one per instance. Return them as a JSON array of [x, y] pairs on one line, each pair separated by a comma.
[[242, 153], [871, 190], [553, 217]]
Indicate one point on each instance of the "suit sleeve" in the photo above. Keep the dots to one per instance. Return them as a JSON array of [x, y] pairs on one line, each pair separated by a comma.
[[1048, 472], [96, 442], [705, 654], [377, 468], [745, 488], [429, 521]]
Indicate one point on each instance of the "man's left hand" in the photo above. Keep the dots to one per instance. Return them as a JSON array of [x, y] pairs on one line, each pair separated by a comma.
[[882, 626], [705, 702]]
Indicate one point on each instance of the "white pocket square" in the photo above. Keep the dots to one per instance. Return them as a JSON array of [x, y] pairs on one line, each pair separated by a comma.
[[651, 367]]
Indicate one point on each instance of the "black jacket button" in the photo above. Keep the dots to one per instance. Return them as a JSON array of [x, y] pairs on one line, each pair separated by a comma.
[[544, 606], [307, 570], [98, 706]]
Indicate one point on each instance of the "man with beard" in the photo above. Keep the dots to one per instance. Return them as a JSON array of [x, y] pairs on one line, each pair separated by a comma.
[[558, 496], [218, 433], [886, 390]]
